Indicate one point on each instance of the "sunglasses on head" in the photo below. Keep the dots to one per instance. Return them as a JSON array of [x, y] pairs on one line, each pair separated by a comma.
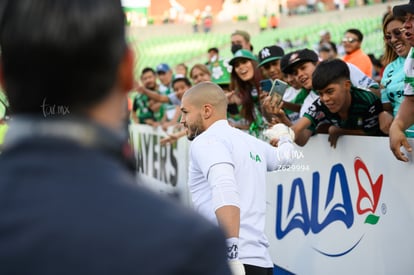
[[349, 40], [396, 32]]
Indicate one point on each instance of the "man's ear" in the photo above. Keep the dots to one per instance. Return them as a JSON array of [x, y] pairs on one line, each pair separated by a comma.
[[207, 111], [126, 71], [348, 84]]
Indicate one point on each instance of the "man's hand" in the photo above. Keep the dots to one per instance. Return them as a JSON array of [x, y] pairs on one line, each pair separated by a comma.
[[140, 89], [403, 120], [168, 139], [398, 139], [171, 138], [233, 98], [274, 113], [236, 267], [334, 133]]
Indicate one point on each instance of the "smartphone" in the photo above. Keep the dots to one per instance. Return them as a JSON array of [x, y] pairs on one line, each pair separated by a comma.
[[266, 85], [278, 90]]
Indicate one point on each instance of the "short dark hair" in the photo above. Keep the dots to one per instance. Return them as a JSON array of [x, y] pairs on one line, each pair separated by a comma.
[[357, 32], [328, 72], [183, 79], [375, 61], [65, 53], [213, 49], [148, 69], [328, 46]]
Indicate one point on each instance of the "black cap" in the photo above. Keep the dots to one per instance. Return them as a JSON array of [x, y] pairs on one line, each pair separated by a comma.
[[270, 53], [284, 62], [291, 59], [401, 10]]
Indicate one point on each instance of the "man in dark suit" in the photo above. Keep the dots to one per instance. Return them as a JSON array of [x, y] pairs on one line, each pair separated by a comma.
[[69, 202]]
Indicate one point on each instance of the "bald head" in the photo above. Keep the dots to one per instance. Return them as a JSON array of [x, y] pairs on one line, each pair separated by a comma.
[[208, 93]]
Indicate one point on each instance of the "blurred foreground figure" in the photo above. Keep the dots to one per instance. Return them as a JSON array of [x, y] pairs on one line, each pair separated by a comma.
[[69, 200]]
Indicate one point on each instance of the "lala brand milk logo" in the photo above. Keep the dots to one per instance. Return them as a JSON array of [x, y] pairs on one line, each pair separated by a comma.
[[337, 206], [364, 195]]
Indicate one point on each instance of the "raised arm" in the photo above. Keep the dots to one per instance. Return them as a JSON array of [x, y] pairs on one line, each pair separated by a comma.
[[153, 95], [403, 120]]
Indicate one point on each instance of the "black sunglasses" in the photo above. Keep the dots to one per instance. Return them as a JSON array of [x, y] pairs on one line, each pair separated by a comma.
[[396, 32]]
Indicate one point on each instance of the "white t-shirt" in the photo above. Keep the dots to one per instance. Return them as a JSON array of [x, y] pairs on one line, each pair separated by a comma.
[[290, 94], [170, 109], [359, 79], [251, 158]]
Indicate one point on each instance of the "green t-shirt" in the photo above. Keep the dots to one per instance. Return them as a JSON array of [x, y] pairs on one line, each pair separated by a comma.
[[141, 108]]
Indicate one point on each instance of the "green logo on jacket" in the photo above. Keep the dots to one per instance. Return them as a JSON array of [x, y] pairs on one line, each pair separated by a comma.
[[255, 157]]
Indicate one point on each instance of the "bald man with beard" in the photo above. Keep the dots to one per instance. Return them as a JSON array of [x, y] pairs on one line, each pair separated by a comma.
[[227, 176]]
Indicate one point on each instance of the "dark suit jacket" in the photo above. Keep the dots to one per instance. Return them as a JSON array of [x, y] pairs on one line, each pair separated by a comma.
[[69, 209]]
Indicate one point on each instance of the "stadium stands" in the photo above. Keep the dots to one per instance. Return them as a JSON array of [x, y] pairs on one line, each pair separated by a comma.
[[191, 48]]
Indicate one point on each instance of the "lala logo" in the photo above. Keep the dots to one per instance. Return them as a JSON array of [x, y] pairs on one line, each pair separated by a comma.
[[359, 166], [328, 212]]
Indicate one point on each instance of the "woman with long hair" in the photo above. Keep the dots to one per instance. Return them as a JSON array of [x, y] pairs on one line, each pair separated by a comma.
[[199, 73], [246, 93], [396, 49]]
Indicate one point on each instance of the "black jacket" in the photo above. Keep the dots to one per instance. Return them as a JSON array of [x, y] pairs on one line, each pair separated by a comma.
[[71, 208]]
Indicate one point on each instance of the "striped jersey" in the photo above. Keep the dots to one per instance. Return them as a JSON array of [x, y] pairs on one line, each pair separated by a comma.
[[362, 115]]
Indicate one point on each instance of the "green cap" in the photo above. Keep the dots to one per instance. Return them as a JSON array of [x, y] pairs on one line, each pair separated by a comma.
[[242, 53]]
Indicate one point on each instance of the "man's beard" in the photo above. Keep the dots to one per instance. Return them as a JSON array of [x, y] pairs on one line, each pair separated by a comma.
[[194, 133], [195, 130]]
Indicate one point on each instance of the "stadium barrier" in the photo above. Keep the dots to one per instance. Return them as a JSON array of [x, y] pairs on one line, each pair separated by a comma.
[[347, 210]]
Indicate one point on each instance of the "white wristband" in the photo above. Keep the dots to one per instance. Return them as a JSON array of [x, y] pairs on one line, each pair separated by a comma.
[[232, 248]]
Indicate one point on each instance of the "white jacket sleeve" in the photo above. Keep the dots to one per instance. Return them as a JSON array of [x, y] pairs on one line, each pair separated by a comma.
[[223, 184]]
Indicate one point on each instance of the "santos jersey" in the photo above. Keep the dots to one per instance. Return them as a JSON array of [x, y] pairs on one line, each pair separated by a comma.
[[393, 91], [362, 114]]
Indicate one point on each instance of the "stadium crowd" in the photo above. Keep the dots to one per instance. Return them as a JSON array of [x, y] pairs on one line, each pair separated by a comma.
[[225, 106], [250, 79]]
